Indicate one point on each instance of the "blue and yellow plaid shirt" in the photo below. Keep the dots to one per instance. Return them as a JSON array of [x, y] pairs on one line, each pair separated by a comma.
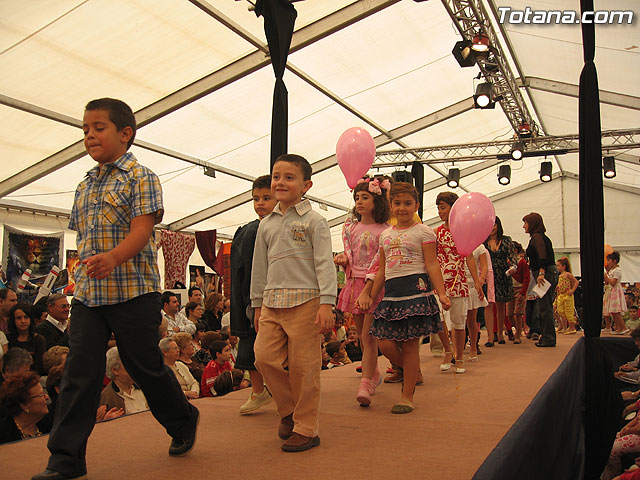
[[105, 202]]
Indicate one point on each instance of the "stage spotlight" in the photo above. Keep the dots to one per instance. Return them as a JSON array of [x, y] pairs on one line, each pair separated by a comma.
[[504, 175], [483, 97], [524, 130], [517, 150], [402, 176], [210, 172], [463, 53], [453, 177], [546, 168], [609, 166], [480, 42]]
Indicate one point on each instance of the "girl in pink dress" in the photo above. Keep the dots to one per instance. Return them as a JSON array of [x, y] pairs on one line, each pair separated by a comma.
[[361, 238], [615, 302]]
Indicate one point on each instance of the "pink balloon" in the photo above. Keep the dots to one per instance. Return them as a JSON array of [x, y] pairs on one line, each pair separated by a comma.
[[471, 220], [355, 152]]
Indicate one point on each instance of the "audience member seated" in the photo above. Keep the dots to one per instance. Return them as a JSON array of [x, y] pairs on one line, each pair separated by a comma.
[[233, 343], [339, 328], [325, 357], [4, 344], [8, 299], [24, 402], [201, 328], [229, 381], [213, 311], [634, 321], [176, 320], [335, 350], [170, 352], [22, 334], [185, 346], [352, 345], [225, 320], [54, 329], [122, 392], [17, 360], [630, 371], [54, 356], [195, 296], [203, 356], [39, 311], [627, 442], [193, 312], [221, 353]]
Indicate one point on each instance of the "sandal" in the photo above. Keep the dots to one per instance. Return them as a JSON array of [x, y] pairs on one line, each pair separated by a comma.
[[446, 364], [402, 408], [460, 366]]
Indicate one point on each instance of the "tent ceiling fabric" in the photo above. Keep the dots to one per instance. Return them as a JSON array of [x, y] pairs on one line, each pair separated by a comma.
[[205, 91]]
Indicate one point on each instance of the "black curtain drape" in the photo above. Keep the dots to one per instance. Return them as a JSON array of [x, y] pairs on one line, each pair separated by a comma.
[[279, 20], [417, 172], [603, 404]]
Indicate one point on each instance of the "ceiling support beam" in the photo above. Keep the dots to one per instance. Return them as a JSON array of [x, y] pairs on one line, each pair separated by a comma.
[[571, 90], [331, 161], [240, 68]]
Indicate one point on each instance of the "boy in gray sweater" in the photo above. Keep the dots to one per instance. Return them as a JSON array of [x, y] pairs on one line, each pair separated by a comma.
[[293, 288]]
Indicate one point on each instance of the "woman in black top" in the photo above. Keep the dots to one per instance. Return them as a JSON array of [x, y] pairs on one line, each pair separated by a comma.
[[22, 334], [543, 267]]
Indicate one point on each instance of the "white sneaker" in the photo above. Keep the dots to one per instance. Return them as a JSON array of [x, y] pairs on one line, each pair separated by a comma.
[[255, 401]]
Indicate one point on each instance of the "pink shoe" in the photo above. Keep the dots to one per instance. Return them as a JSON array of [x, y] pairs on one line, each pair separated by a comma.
[[364, 395], [377, 378]]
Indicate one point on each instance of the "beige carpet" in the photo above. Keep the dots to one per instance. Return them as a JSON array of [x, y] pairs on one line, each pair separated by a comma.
[[458, 420]]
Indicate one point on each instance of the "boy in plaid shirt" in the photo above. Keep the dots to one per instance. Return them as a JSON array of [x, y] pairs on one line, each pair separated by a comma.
[[117, 288]]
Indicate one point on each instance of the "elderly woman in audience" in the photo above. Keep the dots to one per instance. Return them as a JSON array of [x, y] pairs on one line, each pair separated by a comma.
[[213, 311], [122, 392], [185, 344], [171, 352], [193, 311], [16, 360], [25, 402], [22, 334]]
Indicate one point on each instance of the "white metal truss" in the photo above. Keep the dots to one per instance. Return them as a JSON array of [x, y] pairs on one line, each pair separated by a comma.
[[549, 145], [471, 18]]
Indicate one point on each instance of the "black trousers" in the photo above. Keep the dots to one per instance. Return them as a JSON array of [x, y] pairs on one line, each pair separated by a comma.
[[135, 325], [544, 306]]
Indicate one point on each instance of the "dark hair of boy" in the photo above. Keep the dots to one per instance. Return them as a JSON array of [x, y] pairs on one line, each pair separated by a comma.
[[332, 348], [166, 297], [261, 182], [614, 256], [193, 289], [119, 113], [298, 161], [447, 197], [633, 307], [217, 347], [381, 209]]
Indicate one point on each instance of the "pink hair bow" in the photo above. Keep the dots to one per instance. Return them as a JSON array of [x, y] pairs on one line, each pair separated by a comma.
[[376, 185]]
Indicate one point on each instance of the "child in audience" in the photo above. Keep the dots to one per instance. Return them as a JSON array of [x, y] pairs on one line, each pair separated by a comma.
[[293, 288], [338, 326], [221, 354], [361, 239], [633, 321], [630, 372], [352, 345], [615, 302], [335, 350], [410, 272], [564, 304], [116, 206], [242, 323]]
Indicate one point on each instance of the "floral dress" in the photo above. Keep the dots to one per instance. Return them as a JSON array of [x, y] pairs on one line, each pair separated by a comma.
[[502, 259]]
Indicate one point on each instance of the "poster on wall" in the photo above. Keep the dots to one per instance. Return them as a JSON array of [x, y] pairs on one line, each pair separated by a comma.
[[35, 251], [206, 281]]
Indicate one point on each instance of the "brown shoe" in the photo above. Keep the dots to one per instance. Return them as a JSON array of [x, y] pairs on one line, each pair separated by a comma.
[[300, 443], [395, 377], [286, 427], [420, 378]]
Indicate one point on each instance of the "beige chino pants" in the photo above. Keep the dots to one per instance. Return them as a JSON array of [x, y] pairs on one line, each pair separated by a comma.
[[289, 337]]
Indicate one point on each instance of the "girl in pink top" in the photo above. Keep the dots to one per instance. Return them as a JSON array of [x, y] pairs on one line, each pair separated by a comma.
[[361, 238]]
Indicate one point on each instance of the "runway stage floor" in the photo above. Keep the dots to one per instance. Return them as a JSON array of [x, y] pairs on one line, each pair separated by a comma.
[[458, 420]]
